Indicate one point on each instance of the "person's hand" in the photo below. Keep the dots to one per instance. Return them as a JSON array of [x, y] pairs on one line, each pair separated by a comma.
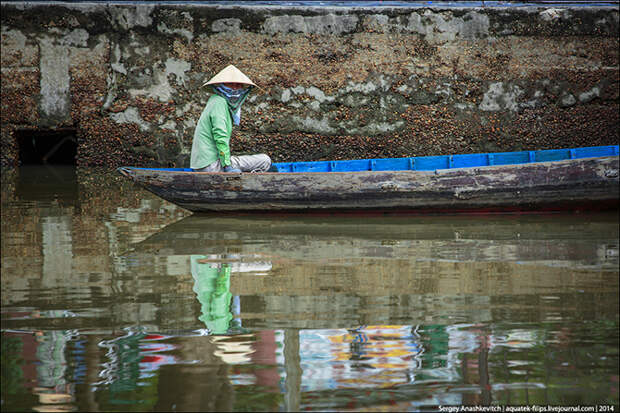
[[229, 168]]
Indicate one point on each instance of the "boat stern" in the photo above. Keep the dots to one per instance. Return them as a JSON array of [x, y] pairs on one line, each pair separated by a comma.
[[125, 171]]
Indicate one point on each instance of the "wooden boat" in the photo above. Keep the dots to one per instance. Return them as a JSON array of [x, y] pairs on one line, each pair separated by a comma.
[[546, 180]]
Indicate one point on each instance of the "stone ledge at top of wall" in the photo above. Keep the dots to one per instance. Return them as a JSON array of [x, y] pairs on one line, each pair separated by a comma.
[[435, 23], [427, 23]]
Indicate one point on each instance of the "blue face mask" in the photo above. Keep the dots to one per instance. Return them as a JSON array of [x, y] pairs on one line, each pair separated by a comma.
[[236, 116], [235, 98]]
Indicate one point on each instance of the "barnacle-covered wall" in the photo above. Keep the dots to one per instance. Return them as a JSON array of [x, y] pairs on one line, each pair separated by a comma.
[[335, 83]]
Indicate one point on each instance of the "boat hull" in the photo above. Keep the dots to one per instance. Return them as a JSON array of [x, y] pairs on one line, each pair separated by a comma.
[[576, 184]]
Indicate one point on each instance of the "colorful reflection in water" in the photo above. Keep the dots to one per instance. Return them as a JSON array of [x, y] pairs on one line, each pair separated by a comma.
[[397, 367], [366, 356], [115, 301]]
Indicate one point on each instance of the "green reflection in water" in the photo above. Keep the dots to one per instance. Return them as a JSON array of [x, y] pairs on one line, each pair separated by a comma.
[[212, 288]]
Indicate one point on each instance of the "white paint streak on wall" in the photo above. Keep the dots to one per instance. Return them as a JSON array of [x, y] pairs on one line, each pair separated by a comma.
[[55, 80]]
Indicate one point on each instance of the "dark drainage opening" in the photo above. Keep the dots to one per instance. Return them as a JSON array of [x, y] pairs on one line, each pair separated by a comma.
[[55, 147]]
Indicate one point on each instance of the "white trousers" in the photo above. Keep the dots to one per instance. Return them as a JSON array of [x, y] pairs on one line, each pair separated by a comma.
[[247, 163]]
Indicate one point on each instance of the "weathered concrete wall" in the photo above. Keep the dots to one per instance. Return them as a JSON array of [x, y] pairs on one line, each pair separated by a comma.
[[335, 82]]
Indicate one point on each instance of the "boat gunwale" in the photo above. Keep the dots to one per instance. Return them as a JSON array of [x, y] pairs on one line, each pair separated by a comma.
[[375, 172]]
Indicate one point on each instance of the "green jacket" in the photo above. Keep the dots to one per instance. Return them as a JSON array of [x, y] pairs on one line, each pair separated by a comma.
[[212, 134]]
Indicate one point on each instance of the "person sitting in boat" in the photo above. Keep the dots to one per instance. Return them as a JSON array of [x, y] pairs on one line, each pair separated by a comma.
[[211, 144]]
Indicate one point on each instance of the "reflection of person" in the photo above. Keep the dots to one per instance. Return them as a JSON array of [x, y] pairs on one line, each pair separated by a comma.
[[212, 287], [211, 144]]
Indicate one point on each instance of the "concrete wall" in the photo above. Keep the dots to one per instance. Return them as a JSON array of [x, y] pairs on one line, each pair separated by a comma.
[[336, 83]]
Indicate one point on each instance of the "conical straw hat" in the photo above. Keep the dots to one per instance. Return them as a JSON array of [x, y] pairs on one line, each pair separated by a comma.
[[230, 74]]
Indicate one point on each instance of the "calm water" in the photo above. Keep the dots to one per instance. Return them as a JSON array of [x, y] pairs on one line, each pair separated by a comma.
[[113, 300]]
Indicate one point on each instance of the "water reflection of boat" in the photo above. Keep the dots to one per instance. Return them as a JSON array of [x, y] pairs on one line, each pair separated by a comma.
[[323, 270], [585, 241]]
